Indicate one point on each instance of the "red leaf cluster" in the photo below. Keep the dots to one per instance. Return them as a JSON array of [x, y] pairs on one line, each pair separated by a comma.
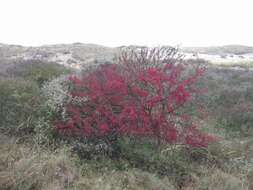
[[129, 99]]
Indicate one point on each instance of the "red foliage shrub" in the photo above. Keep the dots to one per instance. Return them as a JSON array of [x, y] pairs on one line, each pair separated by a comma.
[[142, 95]]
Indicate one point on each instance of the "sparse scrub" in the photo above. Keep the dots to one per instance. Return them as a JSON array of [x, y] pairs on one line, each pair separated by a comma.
[[240, 65], [236, 112], [229, 101]]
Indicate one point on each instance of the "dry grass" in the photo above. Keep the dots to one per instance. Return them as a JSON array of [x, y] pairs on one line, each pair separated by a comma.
[[24, 168], [216, 179], [27, 167], [117, 180]]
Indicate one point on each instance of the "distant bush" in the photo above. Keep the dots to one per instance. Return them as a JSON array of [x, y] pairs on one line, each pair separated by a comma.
[[143, 95], [38, 71]]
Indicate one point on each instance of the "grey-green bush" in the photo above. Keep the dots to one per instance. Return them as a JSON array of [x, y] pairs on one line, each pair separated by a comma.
[[19, 99]]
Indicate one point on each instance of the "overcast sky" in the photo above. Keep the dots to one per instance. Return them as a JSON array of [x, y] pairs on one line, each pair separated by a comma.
[[125, 22]]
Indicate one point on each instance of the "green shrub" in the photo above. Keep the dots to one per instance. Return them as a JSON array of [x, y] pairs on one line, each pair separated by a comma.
[[43, 129], [235, 112], [42, 73], [170, 161], [38, 71], [24, 106], [230, 106], [23, 109], [19, 99]]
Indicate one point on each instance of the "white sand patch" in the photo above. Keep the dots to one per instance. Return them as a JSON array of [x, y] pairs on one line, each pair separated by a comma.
[[229, 58]]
